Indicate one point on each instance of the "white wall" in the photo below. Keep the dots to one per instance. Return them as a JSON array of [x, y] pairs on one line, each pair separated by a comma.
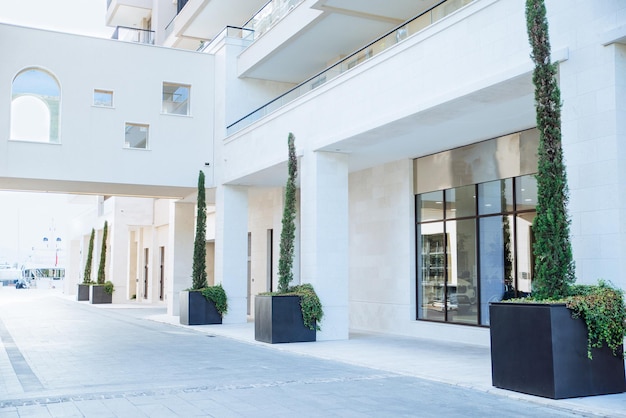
[[92, 138]]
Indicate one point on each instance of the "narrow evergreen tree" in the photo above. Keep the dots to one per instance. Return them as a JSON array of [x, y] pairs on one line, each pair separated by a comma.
[[103, 254], [89, 262], [554, 266], [288, 233], [199, 276]]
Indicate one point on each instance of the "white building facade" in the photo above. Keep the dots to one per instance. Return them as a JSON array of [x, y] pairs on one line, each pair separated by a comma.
[[415, 133]]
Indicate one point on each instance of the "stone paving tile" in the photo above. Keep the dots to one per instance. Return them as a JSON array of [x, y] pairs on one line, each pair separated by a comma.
[[38, 411], [9, 413], [63, 410]]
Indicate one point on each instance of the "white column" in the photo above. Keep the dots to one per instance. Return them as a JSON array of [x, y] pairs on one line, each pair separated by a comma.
[[324, 237], [179, 259], [593, 92], [231, 249]]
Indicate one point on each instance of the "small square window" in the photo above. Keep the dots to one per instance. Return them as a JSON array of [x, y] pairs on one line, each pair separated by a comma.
[[136, 136], [176, 99], [103, 98]]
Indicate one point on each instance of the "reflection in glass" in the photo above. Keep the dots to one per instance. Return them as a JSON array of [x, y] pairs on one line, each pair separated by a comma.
[[462, 280], [525, 240], [431, 271], [496, 262], [495, 197], [461, 202], [430, 206], [526, 192]]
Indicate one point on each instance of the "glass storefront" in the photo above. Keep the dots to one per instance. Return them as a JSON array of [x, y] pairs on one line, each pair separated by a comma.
[[474, 248], [474, 241]]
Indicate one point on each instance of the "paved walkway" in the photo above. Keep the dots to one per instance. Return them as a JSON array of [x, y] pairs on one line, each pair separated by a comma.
[[61, 358]]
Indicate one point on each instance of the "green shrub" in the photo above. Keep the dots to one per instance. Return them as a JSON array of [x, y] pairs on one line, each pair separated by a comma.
[[217, 295]]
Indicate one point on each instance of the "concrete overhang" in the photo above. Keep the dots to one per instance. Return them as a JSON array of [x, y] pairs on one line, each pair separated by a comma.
[[129, 13]]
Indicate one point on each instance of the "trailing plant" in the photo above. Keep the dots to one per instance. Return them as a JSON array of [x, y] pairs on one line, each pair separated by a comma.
[[310, 304], [602, 308], [89, 262], [103, 254], [217, 295], [554, 266], [109, 288], [199, 276], [288, 233]]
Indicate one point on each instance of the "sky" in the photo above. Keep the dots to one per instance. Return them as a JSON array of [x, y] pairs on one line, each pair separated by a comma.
[[85, 17], [26, 218]]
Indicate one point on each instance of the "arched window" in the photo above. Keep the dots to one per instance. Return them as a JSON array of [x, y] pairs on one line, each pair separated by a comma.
[[35, 106]]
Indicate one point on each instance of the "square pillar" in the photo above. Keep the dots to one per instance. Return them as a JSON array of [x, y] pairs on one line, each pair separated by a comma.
[[180, 253], [231, 249], [324, 237]]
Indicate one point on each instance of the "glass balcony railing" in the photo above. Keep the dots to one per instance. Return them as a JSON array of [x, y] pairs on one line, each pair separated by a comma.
[[269, 15], [393, 37], [142, 36], [228, 32]]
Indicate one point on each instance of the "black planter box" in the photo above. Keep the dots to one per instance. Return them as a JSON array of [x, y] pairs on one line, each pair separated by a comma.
[[278, 319], [195, 309], [539, 349], [83, 292], [98, 295]]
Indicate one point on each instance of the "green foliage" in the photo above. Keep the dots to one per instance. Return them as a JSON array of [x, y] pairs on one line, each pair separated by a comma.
[[310, 304], [199, 276], [103, 254], [108, 287], [554, 265], [603, 310], [88, 264], [217, 295], [288, 233]]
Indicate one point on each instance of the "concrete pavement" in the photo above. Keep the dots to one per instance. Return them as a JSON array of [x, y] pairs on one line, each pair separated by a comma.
[[59, 358]]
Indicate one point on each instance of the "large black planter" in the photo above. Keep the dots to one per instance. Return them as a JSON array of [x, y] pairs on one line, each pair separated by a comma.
[[278, 319], [83, 292], [539, 349], [98, 295], [195, 309]]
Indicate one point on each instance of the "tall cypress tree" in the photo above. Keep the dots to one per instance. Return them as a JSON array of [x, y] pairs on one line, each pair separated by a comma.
[[554, 266], [103, 254], [288, 233], [199, 276], [89, 262]]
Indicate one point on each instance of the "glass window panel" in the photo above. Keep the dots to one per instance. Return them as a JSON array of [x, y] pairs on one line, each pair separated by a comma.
[[526, 192], [495, 197], [175, 99], [103, 98], [431, 271], [136, 136], [525, 241], [461, 202], [430, 206], [462, 280], [496, 262], [35, 106]]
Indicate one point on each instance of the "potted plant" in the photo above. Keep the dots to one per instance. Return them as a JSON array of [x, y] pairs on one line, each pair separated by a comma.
[[83, 288], [564, 340], [102, 291], [292, 314], [201, 304]]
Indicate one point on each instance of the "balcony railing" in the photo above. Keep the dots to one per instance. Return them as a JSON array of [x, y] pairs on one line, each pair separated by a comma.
[[269, 15], [393, 37], [228, 32], [142, 36]]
